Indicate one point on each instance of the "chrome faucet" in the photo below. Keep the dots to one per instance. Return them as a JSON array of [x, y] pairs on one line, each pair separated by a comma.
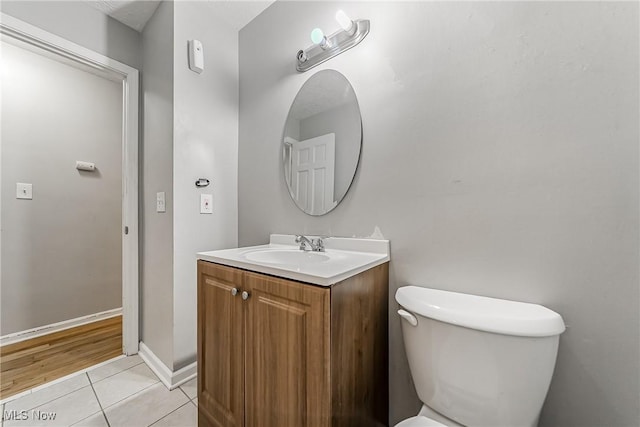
[[316, 245]]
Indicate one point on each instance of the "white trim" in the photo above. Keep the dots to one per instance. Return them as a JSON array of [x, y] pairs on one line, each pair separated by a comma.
[[57, 327], [35, 36], [169, 378], [130, 271]]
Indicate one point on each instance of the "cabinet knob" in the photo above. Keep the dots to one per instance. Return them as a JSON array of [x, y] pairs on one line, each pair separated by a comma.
[[245, 295], [234, 291]]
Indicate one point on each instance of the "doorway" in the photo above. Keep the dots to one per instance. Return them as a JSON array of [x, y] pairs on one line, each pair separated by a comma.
[[69, 189]]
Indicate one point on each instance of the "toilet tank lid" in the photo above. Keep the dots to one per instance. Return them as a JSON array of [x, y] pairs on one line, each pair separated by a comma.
[[481, 313]]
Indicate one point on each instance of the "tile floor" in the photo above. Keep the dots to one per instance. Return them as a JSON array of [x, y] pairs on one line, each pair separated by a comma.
[[122, 393]]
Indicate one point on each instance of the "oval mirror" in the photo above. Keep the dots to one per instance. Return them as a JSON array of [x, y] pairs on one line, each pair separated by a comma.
[[322, 142]]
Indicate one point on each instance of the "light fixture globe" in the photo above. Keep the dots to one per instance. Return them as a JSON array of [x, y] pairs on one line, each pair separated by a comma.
[[345, 22], [317, 36]]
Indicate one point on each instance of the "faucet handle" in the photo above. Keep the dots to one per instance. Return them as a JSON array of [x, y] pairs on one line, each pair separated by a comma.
[[303, 240], [319, 244]]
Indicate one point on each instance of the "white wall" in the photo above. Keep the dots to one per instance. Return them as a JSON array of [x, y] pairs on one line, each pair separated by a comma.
[[80, 23], [191, 132], [500, 158], [156, 237], [62, 250], [205, 146]]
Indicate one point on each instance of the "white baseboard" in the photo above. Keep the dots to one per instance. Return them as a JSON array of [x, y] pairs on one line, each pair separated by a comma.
[[56, 327], [169, 378]]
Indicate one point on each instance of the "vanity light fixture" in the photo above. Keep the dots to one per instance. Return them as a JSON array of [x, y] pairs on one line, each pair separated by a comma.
[[326, 47]]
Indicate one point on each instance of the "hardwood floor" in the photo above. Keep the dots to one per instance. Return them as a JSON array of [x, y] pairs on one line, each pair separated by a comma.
[[33, 362]]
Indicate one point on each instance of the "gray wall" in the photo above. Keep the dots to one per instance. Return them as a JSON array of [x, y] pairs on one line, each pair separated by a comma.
[[500, 158], [205, 146], [80, 23], [156, 237], [190, 132], [61, 251]]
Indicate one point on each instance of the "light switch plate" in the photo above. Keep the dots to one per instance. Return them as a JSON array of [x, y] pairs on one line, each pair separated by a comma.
[[161, 205], [24, 191], [206, 203]]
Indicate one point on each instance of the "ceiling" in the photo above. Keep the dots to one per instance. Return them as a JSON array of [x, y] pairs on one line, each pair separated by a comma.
[[136, 13]]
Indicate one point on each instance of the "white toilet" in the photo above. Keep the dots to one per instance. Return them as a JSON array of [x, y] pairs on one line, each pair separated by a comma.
[[477, 361]]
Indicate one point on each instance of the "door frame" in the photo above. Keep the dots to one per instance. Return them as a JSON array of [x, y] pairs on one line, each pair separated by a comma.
[[40, 38]]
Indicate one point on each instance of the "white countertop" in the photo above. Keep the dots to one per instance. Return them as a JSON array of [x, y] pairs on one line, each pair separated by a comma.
[[343, 258]]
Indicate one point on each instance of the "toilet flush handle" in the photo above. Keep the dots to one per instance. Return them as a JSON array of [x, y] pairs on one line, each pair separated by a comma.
[[413, 321]]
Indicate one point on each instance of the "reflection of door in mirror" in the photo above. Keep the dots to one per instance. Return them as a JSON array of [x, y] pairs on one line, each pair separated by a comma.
[[312, 173]]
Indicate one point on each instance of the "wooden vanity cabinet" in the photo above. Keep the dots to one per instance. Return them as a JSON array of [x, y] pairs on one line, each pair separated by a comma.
[[220, 347], [291, 354]]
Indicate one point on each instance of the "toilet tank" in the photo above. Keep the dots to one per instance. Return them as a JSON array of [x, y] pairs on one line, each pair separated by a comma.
[[479, 361]]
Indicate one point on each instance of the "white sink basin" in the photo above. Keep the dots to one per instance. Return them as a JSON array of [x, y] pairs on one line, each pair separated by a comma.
[[286, 256], [282, 257]]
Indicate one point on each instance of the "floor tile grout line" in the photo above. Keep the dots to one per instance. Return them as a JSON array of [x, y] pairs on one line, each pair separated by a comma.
[[118, 401], [64, 378], [40, 388], [13, 397], [184, 392], [87, 417], [98, 400], [65, 395], [106, 420], [109, 376], [91, 384], [139, 391], [165, 416], [55, 398]]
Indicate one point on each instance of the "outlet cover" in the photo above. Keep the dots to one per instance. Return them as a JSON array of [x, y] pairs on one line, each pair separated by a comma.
[[161, 205], [206, 203]]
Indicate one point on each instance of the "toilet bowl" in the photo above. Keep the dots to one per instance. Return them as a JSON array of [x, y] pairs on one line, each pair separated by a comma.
[[420, 421], [477, 361], [428, 418]]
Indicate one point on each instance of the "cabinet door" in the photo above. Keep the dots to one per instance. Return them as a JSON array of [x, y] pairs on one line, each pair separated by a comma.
[[287, 353], [220, 347]]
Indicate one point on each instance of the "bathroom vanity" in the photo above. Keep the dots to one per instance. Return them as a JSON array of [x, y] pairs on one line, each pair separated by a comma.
[[294, 339]]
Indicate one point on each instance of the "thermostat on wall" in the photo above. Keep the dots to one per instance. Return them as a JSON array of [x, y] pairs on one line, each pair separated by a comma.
[[196, 56]]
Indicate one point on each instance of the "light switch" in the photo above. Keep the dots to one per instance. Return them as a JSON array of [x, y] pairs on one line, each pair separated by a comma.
[[24, 191], [161, 205], [206, 203]]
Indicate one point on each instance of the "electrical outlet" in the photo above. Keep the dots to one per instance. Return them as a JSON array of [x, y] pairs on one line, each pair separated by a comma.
[[206, 203], [161, 205]]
